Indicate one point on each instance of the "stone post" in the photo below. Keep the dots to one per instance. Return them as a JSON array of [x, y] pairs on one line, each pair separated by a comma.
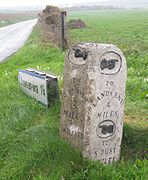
[[63, 30], [93, 96]]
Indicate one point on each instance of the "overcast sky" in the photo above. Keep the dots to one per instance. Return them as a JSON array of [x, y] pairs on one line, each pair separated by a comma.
[[14, 3], [43, 3]]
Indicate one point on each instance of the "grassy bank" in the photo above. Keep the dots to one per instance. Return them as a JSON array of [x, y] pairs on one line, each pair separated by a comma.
[[30, 146]]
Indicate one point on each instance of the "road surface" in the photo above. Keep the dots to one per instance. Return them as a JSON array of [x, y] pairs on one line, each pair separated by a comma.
[[13, 37]]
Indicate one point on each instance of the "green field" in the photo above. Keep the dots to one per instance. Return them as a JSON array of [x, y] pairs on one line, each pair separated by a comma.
[[30, 146]]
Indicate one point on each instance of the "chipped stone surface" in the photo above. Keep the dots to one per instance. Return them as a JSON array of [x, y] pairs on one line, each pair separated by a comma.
[[93, 100], [39, 85]]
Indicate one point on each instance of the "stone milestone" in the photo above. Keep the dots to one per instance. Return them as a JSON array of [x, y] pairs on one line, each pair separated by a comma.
[[52, 21], [93, 100], [39, 85]]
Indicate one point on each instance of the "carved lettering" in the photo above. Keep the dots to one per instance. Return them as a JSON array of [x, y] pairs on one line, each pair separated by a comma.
[[109, 151], [71, 114], [106, 143], [108, 114], [73, 132], [109, 83], [112, 94]]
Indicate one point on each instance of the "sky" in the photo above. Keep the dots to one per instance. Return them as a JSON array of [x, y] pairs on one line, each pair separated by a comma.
[[14, 3], [69, 3]]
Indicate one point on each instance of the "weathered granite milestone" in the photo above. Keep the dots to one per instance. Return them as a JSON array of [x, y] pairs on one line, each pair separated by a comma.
[[93, 100]]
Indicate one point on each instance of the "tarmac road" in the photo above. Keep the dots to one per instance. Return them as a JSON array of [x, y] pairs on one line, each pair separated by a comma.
[[13, 37]]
